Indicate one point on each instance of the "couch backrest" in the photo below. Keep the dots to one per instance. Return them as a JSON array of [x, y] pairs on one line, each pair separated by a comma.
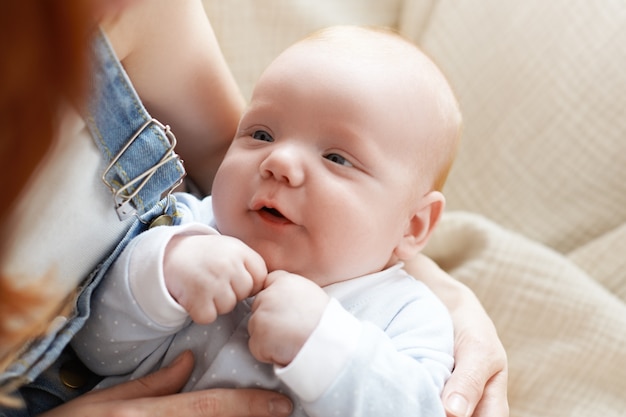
[[543, 90]]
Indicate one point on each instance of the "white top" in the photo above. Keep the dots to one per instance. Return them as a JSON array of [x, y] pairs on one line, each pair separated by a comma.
[[66, 186]]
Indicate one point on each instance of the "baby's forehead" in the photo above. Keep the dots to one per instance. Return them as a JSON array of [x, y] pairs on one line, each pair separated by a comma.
[[364, 58]]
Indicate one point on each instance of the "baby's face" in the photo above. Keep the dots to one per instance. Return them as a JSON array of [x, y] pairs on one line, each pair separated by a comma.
[[320, 178]]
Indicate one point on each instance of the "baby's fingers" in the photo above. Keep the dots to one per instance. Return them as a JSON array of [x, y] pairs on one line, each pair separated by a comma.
[[255, 265]]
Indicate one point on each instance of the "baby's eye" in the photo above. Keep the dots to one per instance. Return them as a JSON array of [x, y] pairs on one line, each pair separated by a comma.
[[338, 159], [262, 135]]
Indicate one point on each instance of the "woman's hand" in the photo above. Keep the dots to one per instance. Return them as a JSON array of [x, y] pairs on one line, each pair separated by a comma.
[[478, 385], [155, 395]]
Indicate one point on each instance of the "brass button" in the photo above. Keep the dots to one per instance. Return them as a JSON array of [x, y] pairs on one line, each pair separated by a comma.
[[162, 220], [73, 374]]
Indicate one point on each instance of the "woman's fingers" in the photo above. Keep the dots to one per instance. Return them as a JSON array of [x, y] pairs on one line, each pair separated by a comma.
[[494, 401], [155, 395], [478, 385], [216, 403]]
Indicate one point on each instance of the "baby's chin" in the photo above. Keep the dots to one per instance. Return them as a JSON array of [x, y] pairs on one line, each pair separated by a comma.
[[320, 279], [274, 264], [277, 259]]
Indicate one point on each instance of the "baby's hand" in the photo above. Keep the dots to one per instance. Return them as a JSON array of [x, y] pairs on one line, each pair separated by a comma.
[[284, 314], [208, 274]]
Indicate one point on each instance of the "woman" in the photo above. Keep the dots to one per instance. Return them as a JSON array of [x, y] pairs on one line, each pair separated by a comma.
[[171, 55]]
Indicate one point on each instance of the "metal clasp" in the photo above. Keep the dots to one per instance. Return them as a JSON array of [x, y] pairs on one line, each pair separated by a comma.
[[122, 196]]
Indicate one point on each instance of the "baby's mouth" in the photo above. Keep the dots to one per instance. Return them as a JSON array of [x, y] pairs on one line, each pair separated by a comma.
[[273, 212], [274, 216]]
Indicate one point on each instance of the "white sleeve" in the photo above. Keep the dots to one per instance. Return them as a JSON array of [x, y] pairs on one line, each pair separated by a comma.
[[352, 367], [338, 331], [146, 278]]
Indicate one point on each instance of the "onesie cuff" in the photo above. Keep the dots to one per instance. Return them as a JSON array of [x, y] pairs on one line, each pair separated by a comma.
[[147, 280], [324, 355]]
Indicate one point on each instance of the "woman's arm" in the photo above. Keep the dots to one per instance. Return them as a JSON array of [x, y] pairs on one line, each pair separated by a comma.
[[478, 385]]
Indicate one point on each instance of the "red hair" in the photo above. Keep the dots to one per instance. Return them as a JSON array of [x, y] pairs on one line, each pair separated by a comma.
[[44, 45]]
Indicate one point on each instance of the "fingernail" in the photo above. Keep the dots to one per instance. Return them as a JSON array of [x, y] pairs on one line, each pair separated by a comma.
[[280, 407], [457, 405]]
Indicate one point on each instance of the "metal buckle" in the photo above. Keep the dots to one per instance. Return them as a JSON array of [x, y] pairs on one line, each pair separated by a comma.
[[122, 197]]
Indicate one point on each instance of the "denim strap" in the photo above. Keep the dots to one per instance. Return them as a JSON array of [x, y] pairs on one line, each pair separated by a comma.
[[139, 149]]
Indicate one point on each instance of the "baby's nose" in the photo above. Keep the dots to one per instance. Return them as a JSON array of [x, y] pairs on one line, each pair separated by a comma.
[[284, 164]]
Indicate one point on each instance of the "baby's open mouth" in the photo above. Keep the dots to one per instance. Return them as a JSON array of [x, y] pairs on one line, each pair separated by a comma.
[[273, 212]]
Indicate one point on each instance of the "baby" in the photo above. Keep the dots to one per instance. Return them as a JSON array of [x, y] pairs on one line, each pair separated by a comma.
[[290, 277]]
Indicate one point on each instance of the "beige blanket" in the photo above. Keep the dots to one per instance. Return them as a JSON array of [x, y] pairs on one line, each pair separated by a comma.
[[536, 221], [564, 332]]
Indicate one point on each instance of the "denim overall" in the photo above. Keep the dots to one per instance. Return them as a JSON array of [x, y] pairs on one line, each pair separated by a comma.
[[142, 167]]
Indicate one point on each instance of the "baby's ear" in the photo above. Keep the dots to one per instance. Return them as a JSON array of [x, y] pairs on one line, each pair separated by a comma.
[[421, 225]]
